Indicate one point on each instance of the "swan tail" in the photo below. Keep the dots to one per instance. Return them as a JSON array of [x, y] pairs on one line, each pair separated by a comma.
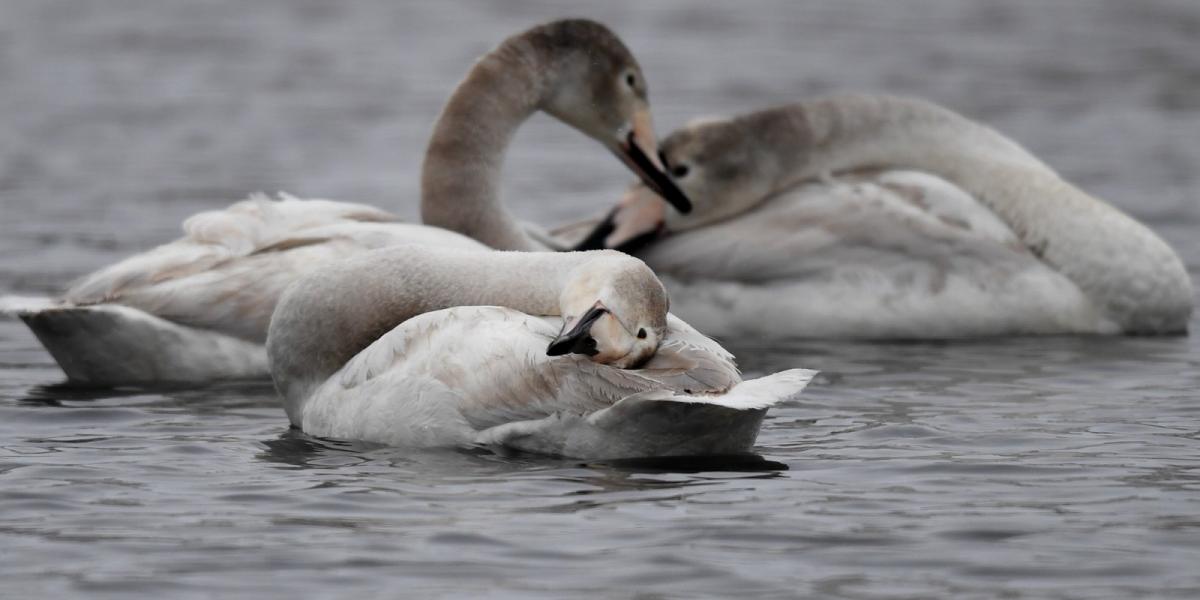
[[16, 306], [110, 344], [657, 423]]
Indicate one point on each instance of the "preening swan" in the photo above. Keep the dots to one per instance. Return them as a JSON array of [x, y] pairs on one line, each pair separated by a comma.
[[873, 217], [197, 308], [568, 354]]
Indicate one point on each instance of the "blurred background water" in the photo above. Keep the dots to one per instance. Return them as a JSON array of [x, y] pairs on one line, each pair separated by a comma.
[[1024, 468]]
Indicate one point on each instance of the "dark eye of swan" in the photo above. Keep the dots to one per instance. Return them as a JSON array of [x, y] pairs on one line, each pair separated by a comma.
[[631, 80], [677, 170], [642, 334]]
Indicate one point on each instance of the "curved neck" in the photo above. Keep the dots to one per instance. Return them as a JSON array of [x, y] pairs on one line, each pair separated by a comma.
[[460, 177], [1125, 268], [332, 314]]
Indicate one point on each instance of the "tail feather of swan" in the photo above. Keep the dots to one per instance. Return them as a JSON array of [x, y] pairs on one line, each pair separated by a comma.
[[110, 344], [656, 422]]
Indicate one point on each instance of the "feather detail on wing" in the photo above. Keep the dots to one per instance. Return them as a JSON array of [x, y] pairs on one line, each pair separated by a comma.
[[228, 271], [213, 237], [490, 365]]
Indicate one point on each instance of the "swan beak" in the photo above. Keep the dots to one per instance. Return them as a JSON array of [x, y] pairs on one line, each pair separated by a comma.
[[639, 152], [637, 220], [579, 339]]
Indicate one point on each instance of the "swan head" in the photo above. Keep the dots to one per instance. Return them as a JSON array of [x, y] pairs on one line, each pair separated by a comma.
[[593, 83], [614, 311], [724, 166]]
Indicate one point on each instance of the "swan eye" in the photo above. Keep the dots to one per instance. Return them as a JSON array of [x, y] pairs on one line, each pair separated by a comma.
[[677, 170], [642, 333], [631, 80]]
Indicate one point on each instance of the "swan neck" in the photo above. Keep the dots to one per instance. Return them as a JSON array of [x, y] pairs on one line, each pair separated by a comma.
[[331, 315], [460, 177]]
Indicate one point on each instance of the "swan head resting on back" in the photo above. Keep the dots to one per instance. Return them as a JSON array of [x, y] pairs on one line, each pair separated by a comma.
[[614, 311]]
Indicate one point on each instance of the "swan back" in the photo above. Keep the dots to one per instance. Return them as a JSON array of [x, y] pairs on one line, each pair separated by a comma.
[[230, 268]]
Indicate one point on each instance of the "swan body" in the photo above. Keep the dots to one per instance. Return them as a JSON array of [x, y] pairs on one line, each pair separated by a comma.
[[215, 289], [879, 217], [396, 372]]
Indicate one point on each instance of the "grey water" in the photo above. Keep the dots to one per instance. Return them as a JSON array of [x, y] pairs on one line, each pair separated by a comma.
[[1020, 468]]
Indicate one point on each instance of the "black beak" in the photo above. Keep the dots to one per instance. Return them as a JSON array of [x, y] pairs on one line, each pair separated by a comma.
[[633, 157], [579, 339], [595, 239]]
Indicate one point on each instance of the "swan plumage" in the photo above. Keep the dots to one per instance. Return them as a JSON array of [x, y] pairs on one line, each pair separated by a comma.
[[882, 217]]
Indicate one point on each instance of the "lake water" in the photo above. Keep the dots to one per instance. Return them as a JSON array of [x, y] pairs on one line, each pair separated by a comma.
[[1025, 468]]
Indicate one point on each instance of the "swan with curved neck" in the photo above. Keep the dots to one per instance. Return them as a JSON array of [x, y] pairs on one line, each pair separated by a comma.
[[423, 346], [575, 70], [1029, 251], [197, 309]]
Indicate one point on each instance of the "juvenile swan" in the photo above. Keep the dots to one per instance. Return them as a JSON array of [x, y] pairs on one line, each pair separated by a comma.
[[875, 217], [197, 309], [567, 354]]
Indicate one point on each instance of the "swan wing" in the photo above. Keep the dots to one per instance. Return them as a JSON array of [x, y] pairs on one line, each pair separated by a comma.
[[213, 237], [885, 254], [228, 271], [659, 422], [886, 221], [473, 374], [474, 367]]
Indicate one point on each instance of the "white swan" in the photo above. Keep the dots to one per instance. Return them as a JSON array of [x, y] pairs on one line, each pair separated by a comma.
[[422, 346], [876, 217], [197, 309]]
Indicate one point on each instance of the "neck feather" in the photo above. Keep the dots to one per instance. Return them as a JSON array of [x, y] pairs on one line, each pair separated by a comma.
[[461, 174]]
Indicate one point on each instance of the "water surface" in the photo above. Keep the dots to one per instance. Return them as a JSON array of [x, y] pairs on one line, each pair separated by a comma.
[[1039, 468]]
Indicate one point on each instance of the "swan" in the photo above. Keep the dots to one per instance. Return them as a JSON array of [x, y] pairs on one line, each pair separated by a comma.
[[570, 354], [881, 217], [197, 309]]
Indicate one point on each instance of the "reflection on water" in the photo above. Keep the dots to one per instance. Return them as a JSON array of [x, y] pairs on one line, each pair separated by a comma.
[[1057, 467]]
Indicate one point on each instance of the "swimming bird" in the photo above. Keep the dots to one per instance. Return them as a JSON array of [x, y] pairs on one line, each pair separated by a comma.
[[882, 217], [570, 354], [197, 309]]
